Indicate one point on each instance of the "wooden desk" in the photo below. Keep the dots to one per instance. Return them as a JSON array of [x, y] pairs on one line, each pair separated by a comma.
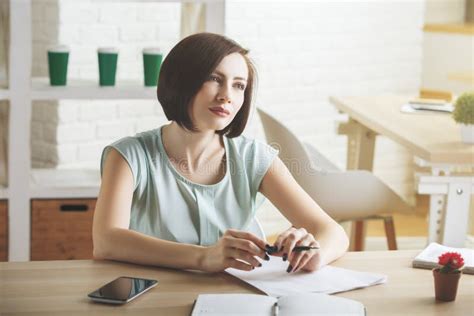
[[435, 141], [60, 287]]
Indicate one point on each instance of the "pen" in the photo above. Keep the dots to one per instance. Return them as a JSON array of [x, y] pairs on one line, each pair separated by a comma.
[[273, 249], [304, 248], [276, 309]]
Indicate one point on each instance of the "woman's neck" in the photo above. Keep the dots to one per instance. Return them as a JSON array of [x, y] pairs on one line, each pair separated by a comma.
[[194, 148]]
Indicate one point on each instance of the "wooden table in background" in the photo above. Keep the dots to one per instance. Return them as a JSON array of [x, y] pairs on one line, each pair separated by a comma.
[[433, 138], [61, 287]]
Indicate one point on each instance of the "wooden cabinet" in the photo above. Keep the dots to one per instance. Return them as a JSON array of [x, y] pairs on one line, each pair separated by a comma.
[[3, 231], [61, 229]]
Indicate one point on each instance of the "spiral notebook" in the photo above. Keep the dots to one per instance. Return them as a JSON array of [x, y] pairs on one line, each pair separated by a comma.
[[262, 305]]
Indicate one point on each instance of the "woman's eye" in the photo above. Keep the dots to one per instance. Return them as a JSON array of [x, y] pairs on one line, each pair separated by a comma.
[[240, 86], [214, 78]]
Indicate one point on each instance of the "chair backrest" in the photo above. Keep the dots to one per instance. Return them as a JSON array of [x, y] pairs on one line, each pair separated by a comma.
[[293, 152], [255, 228], [342, 194]]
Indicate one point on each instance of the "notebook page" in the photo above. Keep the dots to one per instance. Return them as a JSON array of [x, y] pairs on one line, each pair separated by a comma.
[[273, 279], [319, 304], [233, 304]]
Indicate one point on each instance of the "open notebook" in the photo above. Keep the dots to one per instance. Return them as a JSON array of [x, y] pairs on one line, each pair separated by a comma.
[[261, 305], [428, 258]]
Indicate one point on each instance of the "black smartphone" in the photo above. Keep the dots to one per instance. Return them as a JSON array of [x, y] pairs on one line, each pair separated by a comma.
[[122, 290]]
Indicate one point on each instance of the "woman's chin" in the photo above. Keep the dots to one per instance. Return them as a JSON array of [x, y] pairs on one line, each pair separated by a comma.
[[217, 126]]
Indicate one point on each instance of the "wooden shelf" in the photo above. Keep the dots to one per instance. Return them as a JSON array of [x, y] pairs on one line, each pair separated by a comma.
[[165, 1], [465, 29], [3, 193], [89, 89], [4, 94], [64, 183]]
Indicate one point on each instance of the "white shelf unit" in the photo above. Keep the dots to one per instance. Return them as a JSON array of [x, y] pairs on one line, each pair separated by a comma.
[[3, 193], [4, 94], [64, 183], [89, 89], [24, 183]]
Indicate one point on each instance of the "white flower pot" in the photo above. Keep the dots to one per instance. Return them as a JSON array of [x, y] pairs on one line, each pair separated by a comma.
[[467, 133]]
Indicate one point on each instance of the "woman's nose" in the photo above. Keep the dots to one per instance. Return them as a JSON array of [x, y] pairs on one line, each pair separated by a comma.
[[224, 95]]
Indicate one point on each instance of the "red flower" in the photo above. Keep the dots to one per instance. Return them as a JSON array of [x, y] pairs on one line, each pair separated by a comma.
[[450, 261]]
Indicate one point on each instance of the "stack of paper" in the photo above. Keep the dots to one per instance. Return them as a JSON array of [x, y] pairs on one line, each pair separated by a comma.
[[418, 104], [273, 279], [428, 258]]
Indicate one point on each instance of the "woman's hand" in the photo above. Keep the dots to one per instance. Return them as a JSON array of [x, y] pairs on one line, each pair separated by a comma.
[[308, 260], [236, 249]]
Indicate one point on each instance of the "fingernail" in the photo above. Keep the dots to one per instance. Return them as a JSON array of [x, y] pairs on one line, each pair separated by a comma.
[[267, 258], [285, 256], [289, 268]]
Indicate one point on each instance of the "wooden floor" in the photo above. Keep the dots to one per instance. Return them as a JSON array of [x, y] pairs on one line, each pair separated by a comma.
[[405, 225]]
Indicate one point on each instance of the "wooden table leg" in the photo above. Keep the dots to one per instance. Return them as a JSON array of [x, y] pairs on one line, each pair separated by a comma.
[[360, 145], [358, 236], [360, 155]]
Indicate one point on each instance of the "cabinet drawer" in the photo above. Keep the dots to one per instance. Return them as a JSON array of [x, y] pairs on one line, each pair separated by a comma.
[[3, 231], [61, 229]]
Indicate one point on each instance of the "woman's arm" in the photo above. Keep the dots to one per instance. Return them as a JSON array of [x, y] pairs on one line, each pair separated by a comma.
[[279, 186], [114, 240]]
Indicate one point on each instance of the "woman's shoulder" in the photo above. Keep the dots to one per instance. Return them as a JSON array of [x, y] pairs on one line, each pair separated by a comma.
[[247, 146], [140, 139]]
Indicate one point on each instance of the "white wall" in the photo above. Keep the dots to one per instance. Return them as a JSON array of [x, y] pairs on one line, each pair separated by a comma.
[[307, 51], [448, 58], [445, 11]]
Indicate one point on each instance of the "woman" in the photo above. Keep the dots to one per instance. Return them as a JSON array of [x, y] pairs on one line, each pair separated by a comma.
[[183, 195]]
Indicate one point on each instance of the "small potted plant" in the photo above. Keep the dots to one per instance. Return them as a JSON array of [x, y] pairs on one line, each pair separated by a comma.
[[447, 275], [463, 114]]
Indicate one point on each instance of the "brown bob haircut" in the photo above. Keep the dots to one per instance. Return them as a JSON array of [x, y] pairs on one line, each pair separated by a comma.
[[185, 69]]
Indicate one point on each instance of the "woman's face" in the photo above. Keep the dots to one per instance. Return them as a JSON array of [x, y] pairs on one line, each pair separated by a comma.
[[221, 96]]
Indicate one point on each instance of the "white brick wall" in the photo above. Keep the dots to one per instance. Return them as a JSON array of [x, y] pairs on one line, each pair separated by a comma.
[[306, 51], [72, 133]]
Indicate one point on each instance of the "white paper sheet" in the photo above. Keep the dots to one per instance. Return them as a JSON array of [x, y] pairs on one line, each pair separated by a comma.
[[273, 279]]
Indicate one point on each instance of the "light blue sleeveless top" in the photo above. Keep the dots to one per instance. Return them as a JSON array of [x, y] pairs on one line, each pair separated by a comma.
[[169, 206]]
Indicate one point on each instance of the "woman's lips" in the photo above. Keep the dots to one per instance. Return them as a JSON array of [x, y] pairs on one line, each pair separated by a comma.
[[219, 111]]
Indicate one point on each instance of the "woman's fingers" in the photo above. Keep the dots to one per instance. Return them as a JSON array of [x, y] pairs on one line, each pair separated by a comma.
[[290, 241], [236, 264], [243, 256], [301, 258], [280, 241], [248, 236], [245, 245]]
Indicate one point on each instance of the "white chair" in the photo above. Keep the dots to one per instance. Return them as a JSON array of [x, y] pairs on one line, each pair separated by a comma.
[[255, 228], [355, 195]]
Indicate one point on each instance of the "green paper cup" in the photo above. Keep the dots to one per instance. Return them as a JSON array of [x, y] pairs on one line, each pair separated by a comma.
[[58, 57], [152, 58], [107, 65]]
